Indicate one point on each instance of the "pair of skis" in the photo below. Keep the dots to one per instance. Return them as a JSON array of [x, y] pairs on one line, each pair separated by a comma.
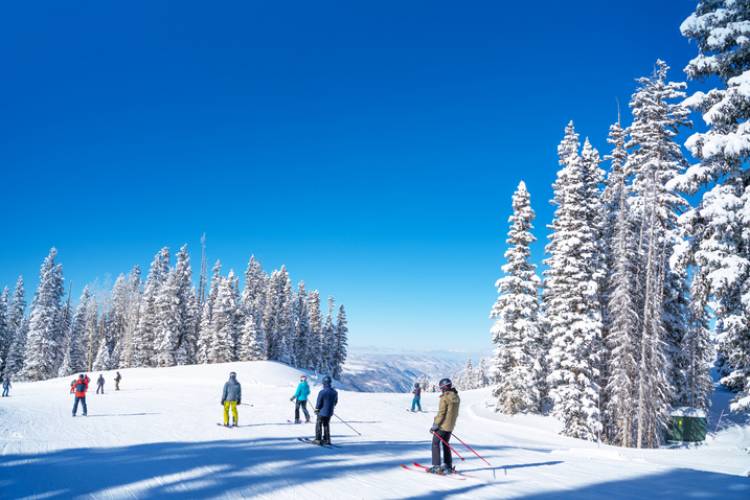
[[416, 467], [310, 441]]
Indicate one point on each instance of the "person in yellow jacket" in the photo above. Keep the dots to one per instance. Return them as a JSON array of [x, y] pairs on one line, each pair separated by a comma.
[[442, 427]]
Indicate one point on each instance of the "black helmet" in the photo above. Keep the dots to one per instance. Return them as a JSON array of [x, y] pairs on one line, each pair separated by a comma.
[[445, 384], [416, 384], [326, 380]]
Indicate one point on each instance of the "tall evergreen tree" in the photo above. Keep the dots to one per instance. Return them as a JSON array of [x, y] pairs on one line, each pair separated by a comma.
[[144, 335], [6, 337], [252, 343], [75, 357], [18, 327], [516, 334], [302, 338], [623, 327], [316, 331], [656, 160], [132, 312], [341, 342], [572, 295], [44, 344], [719, 223], [205, 337], [328, 340], [224, 326], [255, 292]]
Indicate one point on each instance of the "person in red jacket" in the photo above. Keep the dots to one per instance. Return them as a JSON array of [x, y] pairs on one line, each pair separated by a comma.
[[79, 387]]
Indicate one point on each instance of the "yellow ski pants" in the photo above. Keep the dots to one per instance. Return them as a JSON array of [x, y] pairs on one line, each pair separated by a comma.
[[233, 406]]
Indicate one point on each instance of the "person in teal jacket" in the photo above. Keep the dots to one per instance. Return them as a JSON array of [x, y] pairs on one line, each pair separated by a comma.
[[300, 399]]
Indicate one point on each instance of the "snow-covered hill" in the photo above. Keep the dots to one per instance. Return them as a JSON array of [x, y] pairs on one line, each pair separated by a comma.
[[158, 437]]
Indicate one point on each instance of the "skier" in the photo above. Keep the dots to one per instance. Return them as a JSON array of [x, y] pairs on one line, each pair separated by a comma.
[[118, 377], [442, 427], [300, 399], [416, 401], [79, 387], [327, 400], [100, 384], [230, 398], [6, 386]]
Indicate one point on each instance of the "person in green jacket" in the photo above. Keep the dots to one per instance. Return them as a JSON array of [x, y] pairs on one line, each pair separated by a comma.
[[442, 428], [300, 399]]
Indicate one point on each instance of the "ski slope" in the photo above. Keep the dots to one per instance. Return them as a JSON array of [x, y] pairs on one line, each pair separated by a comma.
[[158, 438]]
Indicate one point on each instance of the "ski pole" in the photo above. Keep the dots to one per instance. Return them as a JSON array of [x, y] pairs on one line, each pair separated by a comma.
[[472, 450], [346, 424], [448, 445]]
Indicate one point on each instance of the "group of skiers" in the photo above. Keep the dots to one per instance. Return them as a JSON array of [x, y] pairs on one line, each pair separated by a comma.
[[328, 398], [441, 429], [79, 387]]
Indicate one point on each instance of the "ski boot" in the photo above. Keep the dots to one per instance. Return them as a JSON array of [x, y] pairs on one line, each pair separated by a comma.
[[447, 469], [297, 421], [435, 469], [317, 441]]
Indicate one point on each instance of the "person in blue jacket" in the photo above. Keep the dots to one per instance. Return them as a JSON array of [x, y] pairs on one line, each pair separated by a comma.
[[416, 401], [327, 400], [300, 399]]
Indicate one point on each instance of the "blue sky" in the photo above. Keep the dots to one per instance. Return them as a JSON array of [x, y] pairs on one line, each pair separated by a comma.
[[371, 147]]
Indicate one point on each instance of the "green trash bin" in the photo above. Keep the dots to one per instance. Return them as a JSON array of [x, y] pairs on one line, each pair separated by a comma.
[[688, 425]]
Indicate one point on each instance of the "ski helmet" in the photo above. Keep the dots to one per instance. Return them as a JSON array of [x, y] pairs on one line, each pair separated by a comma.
[[232, 374], [445, 384], [326, 380], [416, 384], [303, 377]]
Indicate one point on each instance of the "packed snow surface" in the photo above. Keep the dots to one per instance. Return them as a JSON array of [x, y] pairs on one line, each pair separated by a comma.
[[157, 437]]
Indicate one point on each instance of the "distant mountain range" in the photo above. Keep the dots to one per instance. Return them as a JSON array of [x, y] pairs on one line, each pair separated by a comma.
[[376, 369]]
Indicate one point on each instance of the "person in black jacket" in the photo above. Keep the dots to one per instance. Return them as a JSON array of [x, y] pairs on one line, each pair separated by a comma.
[[327, 400]]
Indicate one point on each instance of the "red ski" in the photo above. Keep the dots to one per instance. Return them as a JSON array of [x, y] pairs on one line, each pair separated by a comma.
[[422, 469]]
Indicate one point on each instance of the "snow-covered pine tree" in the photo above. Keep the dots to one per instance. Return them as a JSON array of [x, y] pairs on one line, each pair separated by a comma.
[[516, 334], [301, 343], [189, 311], [5, 334], [572, 295], [206, 334], [117, 319], [255, 292], [697, 347], [278, 323], [721, 30], [316, 330], [177, 308], [623, 328], [656, 160], [328, 340], [167, 331], [92, 332], [44, 347], [341, 337], [18, 327], [252, 343], [75, 357], [224, 322], [103, 358], [144, 335], [132, 311]]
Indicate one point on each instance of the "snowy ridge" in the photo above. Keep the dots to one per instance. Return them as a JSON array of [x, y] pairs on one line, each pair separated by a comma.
[[158, 437]]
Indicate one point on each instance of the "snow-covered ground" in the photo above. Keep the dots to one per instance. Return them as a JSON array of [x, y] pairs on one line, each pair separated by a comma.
[[158, 437]]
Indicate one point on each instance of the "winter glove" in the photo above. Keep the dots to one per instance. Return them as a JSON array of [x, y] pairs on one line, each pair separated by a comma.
[[291, 399], [434, 428], [239, 402], [222, 402], [317, 411]]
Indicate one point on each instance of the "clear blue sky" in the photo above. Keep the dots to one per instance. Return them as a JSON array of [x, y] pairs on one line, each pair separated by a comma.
[[373, 147]]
